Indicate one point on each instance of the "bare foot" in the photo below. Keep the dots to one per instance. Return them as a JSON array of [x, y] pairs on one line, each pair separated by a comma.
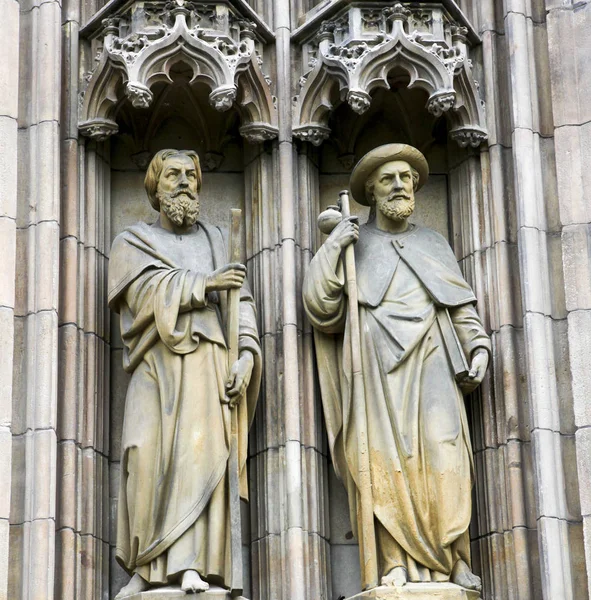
[[461, 575], [135, 586], [397, 577], [193, 583]]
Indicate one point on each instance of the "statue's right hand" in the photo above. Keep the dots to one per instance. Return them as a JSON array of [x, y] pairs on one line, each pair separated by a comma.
[[345, 233], [228, 277]]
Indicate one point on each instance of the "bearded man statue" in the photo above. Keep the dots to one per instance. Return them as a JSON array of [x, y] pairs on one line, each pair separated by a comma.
[[416, 312], [167, 283]]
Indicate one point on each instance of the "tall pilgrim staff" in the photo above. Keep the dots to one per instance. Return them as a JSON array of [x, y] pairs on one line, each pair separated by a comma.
[[365, 516], [233, 464]]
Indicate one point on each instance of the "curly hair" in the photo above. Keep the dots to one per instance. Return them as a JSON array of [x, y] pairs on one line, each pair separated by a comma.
[[155, 170]]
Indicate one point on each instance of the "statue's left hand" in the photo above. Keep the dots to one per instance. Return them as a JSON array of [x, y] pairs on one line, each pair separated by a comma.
[[477, 371], [239, 377]]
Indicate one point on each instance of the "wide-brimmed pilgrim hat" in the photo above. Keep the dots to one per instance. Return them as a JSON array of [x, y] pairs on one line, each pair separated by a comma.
[[379, 156]]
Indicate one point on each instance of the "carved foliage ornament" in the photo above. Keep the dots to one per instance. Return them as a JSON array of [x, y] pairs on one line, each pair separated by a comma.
[[421, 39], [141, 45]]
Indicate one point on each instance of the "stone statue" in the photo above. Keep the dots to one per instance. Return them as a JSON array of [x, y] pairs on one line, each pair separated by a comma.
[[168, 283], [416, 313]]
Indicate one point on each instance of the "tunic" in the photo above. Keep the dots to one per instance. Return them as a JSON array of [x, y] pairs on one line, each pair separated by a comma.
[[420, 453], [173, 500]]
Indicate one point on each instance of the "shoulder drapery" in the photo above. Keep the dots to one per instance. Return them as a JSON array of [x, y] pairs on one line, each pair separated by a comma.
[[159, 300], [426, 252], [420, 459], [377, 254]]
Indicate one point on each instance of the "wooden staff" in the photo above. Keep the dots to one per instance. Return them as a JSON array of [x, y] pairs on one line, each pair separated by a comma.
[[236, 583], [365, 517]]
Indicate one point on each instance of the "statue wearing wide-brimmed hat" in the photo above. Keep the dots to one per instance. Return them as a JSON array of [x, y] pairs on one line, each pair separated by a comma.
[[422, 345]]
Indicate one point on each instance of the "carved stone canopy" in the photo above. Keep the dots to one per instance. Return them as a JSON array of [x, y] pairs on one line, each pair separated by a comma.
[[351, 55], [138, 45]]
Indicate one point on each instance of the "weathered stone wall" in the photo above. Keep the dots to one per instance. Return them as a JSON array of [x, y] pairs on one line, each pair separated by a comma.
[[9, 31], [517, 212], [530, 493]]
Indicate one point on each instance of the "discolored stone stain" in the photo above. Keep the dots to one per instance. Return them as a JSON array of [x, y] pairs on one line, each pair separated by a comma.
[[84, 559]]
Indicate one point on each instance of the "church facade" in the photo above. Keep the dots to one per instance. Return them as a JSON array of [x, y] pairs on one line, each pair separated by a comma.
[[280, 100]]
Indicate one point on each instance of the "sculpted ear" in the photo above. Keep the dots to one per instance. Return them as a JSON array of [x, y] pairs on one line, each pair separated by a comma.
[[415, 178]]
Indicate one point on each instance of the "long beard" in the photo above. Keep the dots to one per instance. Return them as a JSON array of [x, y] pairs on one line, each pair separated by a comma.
[[181, 207], [398, 209]]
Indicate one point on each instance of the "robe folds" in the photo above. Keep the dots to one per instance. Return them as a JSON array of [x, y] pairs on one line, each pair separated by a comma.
[[419, 444], [173, 498]]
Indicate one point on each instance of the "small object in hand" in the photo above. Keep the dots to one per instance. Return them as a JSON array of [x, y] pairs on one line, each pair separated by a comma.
[[329, 219]]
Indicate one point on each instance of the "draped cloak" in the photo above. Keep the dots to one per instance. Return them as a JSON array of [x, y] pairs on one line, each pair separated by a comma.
[[172, 509], [420, 452]]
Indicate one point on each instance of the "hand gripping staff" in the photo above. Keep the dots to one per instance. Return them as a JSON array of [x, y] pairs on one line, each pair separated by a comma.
[[365, 515]]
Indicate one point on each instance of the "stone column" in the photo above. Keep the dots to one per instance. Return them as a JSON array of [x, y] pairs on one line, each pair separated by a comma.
[[9, 33], [543, 309], [288, 464], [33, 506], [532, 393], [83, 423], [484, 240], [70, 347], [294, 565], [82, 552], [263, 252], [569, 27], [314, 447]]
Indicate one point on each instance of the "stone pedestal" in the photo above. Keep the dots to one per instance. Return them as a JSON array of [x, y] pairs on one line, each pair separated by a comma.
[[419, 591], [175, 593]]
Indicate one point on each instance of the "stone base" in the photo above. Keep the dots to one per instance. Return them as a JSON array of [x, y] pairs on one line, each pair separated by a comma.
[[175, 593], [419, 591]]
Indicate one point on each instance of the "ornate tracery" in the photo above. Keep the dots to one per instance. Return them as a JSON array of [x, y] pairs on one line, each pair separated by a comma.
[[138, 47], [351, 55]]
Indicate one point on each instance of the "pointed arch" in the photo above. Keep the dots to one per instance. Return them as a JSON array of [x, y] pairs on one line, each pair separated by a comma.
[[224, 59], [359, 64]]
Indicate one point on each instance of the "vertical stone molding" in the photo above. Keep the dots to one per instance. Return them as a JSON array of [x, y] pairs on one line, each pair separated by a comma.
[[568, 52], [534, 437], [289, 479], [9, 31], [543, 312], [290, 551], [34, 419]]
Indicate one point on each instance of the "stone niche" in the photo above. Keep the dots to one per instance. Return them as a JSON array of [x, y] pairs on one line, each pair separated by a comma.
[[373, 75], [388, 120], [170, 75], [181, 118]]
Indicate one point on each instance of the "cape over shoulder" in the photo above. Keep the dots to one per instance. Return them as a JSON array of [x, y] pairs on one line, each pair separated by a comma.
[[133, 251], [426, 252], [139, 247]]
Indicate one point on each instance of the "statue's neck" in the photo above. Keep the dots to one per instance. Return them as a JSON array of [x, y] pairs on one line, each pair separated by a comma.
[[167, 224], [383, 223]]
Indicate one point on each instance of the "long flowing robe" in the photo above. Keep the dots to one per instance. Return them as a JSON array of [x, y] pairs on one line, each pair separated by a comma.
[[420, 452], [173, 498]]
